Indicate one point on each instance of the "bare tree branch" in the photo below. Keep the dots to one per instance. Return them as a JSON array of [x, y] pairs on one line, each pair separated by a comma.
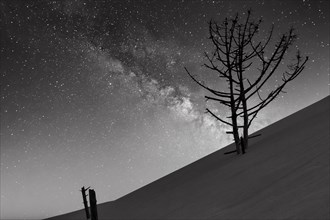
[[209, 111]]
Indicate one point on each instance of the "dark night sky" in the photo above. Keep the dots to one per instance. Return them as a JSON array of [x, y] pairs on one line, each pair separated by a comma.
[[94, 93]]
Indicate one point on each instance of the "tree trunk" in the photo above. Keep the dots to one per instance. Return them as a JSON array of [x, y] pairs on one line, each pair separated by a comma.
[[246, 123], [235, 133], [242, 145]]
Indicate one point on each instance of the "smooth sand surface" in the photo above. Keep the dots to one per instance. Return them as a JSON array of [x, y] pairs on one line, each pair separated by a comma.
[[283, 175]]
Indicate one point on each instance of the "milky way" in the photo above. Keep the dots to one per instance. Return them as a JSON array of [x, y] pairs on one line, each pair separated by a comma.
[[94, 93]]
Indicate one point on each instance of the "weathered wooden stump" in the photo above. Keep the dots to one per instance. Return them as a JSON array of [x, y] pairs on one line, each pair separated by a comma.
[[92, 202], [83, 192]]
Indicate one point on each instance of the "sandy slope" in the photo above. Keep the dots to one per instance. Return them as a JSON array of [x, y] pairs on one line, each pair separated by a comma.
[[284, 175]]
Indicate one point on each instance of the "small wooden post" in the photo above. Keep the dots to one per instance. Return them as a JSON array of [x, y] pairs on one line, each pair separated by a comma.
[[92, 202], [83, 192]]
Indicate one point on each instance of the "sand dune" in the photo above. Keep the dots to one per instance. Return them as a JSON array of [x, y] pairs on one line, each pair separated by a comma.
[[284, 175]]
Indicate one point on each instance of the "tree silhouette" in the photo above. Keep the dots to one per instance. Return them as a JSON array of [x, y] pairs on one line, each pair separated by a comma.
[[237, 47]]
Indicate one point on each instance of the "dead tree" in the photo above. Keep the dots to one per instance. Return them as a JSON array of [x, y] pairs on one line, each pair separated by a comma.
[[237, 50]]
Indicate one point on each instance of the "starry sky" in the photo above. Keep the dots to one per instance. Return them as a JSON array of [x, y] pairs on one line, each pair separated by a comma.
[[94, 93]]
